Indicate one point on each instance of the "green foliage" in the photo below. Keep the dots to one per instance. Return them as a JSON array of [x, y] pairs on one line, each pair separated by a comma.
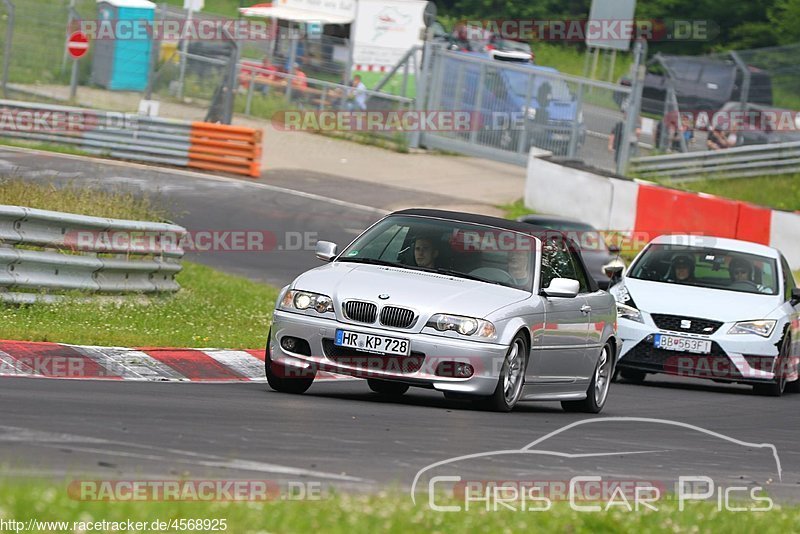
[[785, 18], [781, 192], [386, 511]]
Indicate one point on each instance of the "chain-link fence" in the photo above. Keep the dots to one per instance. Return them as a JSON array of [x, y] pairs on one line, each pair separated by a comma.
[[520, 106]]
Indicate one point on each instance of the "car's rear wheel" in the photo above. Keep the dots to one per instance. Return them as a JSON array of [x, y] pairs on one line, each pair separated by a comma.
[[597, 393], [777, 387], [283, 379], [387, 388], [634, 376], [512, 376]]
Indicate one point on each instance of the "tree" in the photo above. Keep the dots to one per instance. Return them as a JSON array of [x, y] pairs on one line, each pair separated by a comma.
[[785, 16]]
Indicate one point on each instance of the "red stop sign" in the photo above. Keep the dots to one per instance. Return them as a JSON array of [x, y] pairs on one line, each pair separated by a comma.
[[78, 44]]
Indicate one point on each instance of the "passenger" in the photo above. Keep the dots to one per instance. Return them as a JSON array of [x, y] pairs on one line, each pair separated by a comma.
[[425, 252], [740, 270], [682, 270]]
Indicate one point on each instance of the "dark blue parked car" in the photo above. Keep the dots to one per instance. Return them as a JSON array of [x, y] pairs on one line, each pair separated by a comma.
[[521, 105]]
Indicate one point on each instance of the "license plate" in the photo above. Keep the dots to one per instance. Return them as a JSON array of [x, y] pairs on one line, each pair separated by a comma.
[[372, 343], [560, 137], [682, 344]]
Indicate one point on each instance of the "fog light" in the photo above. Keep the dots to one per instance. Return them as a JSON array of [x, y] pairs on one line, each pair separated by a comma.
[[289, 343], [464, 370], [455, 370]]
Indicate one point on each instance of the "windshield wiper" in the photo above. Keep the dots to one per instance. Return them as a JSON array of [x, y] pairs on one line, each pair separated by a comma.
[[372, 261], [457, 274]]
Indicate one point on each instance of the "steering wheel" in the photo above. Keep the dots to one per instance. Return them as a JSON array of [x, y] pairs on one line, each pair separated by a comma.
[[748, 284], [494, 274]]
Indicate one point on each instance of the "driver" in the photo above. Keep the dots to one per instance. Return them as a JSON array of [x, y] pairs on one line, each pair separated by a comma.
[[425, 252], [682, 270], [740, 270], [519, 267]]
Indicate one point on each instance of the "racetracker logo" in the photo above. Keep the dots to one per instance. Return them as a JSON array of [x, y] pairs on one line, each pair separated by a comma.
[[170, 242], [193, 490], [38, 120], [376, 121], [195, 30], [579, 30]]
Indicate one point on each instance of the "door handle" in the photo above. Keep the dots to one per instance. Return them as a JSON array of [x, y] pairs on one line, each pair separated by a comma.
[[586, 308]]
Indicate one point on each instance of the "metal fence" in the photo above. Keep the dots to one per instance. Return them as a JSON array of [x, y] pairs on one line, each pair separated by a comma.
[[44, 252], [522, 107], [755, 160]]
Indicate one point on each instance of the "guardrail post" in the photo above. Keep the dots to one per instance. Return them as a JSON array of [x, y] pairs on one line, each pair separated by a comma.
[[632, 115], [7, 48], [250, 93], [573, 140], [422, 84]]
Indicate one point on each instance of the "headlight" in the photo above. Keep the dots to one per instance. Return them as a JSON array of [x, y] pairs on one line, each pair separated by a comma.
[[629, 312], [762, 328], [303, 300], [466, 326]]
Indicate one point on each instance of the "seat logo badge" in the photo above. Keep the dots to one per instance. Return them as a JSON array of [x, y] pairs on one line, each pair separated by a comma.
[[686, 323], [383, 296]]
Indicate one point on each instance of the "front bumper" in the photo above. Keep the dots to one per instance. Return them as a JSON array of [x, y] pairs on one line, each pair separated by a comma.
[[428, 352], [733, 358]]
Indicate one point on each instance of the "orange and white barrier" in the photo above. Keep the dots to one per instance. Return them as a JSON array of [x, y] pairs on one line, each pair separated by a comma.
[[643, 208], [220, 147]]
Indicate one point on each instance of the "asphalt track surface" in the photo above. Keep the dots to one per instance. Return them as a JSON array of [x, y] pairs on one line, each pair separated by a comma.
[[340, 433]]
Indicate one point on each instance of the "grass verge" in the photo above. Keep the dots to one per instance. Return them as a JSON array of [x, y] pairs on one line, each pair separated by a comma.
[[117, 204], [781, 192], [50, 147], [381, 512], [212, 309], [515, 209]]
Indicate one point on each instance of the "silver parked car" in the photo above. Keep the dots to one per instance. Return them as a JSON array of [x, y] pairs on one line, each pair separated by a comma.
[[475, 307], [713, 308]]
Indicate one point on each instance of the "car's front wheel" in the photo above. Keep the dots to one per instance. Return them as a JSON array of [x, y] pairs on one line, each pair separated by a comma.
[[512, 376], [387, 388], [777, 387], [597, 393], [284, 379]]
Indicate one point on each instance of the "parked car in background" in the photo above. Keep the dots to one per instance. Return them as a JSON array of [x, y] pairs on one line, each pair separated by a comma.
[[476, 307], [762, 124], [701, 83], [713, 308], [509, 50], [517, 102], [597, 253]]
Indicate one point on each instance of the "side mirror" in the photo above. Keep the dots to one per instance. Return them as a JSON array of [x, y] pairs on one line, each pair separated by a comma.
[[326, 250], [562, 287], [795, 296]]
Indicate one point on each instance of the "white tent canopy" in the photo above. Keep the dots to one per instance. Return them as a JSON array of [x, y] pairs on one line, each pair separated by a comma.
[[296, 14]]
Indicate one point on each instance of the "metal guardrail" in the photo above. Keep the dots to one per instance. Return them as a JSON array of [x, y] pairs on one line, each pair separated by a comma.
[[135, 137], [43, 251], [737, 162]]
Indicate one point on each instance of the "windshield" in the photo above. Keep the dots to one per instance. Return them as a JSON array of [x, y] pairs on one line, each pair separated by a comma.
[[707, 267], [506, 44], [518, 81], [453, 248]]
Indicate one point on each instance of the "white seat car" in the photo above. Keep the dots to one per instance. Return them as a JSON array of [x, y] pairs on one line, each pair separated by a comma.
[[712, 308]]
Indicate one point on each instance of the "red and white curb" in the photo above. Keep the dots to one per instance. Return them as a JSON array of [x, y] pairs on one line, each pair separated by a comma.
[[62, 361]]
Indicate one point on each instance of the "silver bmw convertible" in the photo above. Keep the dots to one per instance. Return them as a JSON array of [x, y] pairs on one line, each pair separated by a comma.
[[477, 307]]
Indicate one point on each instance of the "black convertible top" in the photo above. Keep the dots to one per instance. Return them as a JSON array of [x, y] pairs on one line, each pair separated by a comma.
[[497, 222], [503, 224]]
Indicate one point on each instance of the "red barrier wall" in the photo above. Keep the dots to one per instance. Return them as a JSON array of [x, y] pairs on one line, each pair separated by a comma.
[[667, 211]]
